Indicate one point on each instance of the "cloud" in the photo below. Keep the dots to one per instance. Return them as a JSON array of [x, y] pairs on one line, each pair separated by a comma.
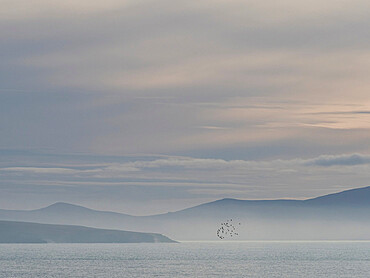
[[36, 9], [189, 170], [39, 170], [341, 160], [166, 177], [125, 77]]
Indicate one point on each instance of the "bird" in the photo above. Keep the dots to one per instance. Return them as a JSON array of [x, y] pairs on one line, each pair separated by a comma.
[[227, 229]]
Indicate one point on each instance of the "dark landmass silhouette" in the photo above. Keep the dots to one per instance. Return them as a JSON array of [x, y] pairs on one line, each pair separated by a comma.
[[25, 232], [343, 215]]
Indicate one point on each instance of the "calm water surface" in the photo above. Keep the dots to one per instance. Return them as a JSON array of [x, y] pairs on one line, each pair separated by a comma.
[[187, 259]]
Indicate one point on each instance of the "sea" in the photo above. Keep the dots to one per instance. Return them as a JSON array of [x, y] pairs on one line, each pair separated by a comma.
[[295, 259]]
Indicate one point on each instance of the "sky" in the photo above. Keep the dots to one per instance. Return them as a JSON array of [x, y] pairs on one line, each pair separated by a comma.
[[147, 106]]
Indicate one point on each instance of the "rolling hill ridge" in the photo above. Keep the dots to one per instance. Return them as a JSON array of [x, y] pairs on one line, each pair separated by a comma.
[[342, 215]]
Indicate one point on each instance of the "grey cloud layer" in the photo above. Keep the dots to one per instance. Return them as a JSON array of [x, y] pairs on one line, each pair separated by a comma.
[[344, 160], [165, 77], [143, 184], [194, 172], [180, 164]]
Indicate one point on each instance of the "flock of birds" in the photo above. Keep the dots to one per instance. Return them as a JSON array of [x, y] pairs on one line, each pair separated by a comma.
[[227, 229]]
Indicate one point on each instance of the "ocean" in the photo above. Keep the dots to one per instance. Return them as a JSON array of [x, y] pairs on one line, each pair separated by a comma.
[[270, 259]]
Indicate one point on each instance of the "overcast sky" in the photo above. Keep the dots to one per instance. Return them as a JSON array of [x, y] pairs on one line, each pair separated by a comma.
[[152, 106]]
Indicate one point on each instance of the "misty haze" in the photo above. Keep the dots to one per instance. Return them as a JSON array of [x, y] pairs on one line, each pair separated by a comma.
[[182, 138]]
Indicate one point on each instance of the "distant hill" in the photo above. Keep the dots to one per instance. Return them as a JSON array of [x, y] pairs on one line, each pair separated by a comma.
[[24, 232], [359, 197], [64, 213], [343, 215], [335, 205]]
